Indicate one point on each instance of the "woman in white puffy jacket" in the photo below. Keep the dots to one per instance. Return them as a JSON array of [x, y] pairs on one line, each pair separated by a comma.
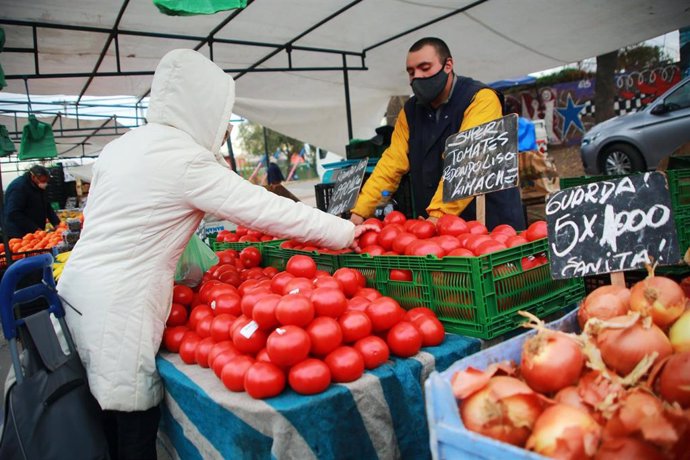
[[151, 187]]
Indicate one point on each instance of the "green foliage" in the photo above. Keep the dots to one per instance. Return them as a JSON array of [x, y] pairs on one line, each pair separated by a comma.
[[251, 139], [636, 58], [564, 75]]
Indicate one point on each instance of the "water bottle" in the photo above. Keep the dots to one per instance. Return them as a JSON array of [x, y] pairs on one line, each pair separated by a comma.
[[385, 206]]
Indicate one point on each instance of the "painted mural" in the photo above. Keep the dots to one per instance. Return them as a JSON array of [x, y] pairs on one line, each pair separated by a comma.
[[568, 108]]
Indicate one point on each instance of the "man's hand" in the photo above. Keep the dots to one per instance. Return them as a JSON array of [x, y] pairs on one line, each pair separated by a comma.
[[361, 229], [356, 219], [431, 219]]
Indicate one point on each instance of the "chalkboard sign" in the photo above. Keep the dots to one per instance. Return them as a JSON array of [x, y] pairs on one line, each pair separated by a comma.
[[481, 160], [347, 184], [612, 225]]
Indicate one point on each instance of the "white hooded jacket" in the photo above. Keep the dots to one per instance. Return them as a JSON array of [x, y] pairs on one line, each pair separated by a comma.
[[151, 188]]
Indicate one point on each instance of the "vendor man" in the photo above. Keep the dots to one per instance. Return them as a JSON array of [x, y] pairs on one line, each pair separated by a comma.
[[443, 103], [26, 203]]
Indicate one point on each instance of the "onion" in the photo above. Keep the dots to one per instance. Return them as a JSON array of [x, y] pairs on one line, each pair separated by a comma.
[[642, 414], [627, 448], [679, 334], [565, 432], [604, 302], [570, 396], [622, 348], [674, 381], [505, 409], [551, 361], [659, 297]]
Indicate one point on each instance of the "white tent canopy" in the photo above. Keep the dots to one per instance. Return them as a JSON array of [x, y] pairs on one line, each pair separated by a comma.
[[490, 40]]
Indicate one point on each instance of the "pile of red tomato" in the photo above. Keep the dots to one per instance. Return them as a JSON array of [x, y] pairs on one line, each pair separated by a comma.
[[450, 236], [242, 235], [261, 330], [618, 390]]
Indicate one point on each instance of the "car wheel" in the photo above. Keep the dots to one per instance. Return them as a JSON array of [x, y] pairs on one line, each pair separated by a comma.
[[619, 159]]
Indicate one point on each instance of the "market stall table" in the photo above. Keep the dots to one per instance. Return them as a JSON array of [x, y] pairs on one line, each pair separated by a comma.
[[381, 415]]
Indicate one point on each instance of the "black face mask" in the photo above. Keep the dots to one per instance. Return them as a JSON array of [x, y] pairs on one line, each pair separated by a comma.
[[428, 88]]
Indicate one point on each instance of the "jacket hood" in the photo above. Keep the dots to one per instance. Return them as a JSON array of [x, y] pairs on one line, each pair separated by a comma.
[[191, 93]]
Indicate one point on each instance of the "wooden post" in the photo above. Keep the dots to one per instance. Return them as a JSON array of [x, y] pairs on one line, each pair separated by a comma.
[[480, 207], [618, 279]]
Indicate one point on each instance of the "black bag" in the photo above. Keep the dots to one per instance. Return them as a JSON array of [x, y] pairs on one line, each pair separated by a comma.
[[49, 411]]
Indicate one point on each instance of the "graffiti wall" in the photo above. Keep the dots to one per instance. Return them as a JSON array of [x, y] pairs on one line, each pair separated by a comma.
[[568, 108]]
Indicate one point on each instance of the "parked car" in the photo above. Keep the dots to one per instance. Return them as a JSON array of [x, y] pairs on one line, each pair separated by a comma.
[[638, 141]]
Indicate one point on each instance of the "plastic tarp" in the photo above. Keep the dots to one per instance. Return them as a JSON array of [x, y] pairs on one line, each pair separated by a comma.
[[490, 40]]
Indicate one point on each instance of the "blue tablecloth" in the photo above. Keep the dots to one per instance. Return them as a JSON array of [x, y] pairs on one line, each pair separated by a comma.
[[381, 415]]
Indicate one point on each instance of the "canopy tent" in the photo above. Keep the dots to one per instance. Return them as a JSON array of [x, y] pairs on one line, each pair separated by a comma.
[[320, 71]]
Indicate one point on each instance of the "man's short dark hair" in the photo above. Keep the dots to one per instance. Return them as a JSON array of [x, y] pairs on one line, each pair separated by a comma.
[[438, 44], [39, 171]]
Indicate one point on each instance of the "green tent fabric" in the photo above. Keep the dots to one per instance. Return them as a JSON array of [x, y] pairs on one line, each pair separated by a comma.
[[37, 140], [6, 145], [194, 7], [3, 83], [2, 39]]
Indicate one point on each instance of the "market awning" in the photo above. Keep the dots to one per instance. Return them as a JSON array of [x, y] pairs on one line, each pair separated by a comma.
[[288, 56]]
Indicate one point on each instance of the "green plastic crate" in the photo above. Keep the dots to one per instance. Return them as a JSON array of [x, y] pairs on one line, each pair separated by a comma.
[[679, 188], [275, 256], [474, 296], [237, 246]]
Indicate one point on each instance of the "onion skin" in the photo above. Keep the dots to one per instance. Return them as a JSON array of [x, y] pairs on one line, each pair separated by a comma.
[[674, 381], [622, 349], [659, 297], [565, 432], [570, 396], [679, 334], [628, 449], [505, 409], [604, 302], [551, 361]]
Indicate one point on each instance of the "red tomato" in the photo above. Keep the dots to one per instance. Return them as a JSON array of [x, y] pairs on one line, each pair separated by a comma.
[[488, 247], [394, 217], [404, 339], [299, 285], [460, 252], [197, 313], [221, 359], [388, 235], [250, 298], [416, 312], [448, 243], [250, 257], [476, 228], [264, 380], [402, 241], [301, 266], [327, 282], [177, 315], [288, 345], [220, 327], [500, 237], [516, 241], [536, 231], [373, 221], [462, 238], [374, 250], [203, 326], [227, 257], [204, 290], [474, 241], [270, 271], [218, 290], [346, 364], [431, 329], [504, 228], [309, 377], [264, 311], [423, 229], [368, 238], [450, 224], [349, 280], [202, 349], [182, 294], [384, 312], [220, 269], [218, 348], [172, 337], [328, 302], [230, 277], [233, 373], [374, 350], [295, 309], [400, 275], [529, 262], [228, 303], [279, 281], [241, 230], [188, 348], [368, 293], [325, 335], [358, 303], [424, 247], [249, 338], [354, 325]]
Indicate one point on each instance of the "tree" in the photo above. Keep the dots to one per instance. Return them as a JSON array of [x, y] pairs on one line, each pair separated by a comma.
[[640, 57], [252, 139], [605, 88]]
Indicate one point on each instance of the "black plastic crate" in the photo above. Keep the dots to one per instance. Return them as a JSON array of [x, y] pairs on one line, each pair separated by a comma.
[[403, 196]]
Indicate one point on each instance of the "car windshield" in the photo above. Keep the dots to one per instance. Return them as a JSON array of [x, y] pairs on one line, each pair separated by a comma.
[[680, 98]]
